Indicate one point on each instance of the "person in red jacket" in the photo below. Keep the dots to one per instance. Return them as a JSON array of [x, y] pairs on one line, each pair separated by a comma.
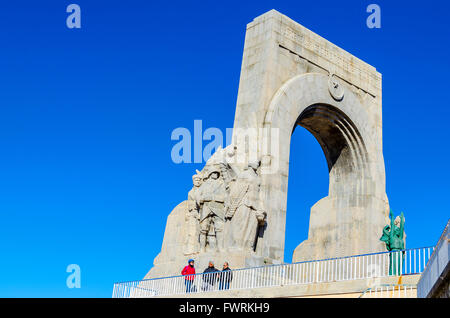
[[189, 273]]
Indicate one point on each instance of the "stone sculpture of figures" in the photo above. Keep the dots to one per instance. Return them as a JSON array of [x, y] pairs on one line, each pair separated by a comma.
[[393, 237], [212, 199], [224, 207], [243, 210], [193, 216]]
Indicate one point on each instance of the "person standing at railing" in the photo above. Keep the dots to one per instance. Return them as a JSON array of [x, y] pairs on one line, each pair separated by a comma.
[[189, 273], [226, 276], [210, 276]]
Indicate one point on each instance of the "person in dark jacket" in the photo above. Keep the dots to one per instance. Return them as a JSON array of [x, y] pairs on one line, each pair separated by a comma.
[[189, 275], [210, 276], [226, 276]]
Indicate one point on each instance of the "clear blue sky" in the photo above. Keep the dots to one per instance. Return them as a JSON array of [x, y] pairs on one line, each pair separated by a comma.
[[86, 116]]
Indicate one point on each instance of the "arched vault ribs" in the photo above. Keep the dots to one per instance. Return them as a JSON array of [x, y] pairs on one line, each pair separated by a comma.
[[342, 145]]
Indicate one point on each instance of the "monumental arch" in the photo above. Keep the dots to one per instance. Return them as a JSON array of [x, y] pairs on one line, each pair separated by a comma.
[[290, 77]]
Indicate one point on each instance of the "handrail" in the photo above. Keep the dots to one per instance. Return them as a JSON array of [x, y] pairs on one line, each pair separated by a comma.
[[281, 264], [380, 289], [380, 264]]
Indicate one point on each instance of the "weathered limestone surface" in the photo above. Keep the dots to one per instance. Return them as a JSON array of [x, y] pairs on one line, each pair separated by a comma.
[[291, 76]]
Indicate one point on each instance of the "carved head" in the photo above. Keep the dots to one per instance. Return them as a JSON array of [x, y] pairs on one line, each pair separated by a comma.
[[231, 150], [397, 221], [196, 180]]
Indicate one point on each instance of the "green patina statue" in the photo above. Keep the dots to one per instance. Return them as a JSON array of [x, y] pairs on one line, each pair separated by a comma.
[[393, 236]]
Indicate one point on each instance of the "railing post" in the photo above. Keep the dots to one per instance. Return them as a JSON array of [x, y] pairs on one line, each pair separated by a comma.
[[419, 261], [335, 270], [424, 260]]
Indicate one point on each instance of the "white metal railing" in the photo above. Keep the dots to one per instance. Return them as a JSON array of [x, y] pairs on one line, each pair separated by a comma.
[[411, 261], [390, 291]]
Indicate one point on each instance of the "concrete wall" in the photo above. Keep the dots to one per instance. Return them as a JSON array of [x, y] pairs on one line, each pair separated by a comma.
[[435, 279]]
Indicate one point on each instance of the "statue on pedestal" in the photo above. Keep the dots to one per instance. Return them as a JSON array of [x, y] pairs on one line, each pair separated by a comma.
[[394, 237]]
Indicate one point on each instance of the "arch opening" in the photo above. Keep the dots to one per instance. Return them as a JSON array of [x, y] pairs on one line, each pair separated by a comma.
[[346, 157], [308, 183], [342, 145]]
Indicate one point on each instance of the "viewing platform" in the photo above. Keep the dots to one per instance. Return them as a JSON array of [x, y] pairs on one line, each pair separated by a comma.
[[385, 274]]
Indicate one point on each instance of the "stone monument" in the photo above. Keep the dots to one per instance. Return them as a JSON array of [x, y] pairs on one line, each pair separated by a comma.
[[236, 210], [395, 239]]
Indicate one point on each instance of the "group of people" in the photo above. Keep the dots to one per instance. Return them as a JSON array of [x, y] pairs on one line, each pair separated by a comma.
[[210, 277]]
